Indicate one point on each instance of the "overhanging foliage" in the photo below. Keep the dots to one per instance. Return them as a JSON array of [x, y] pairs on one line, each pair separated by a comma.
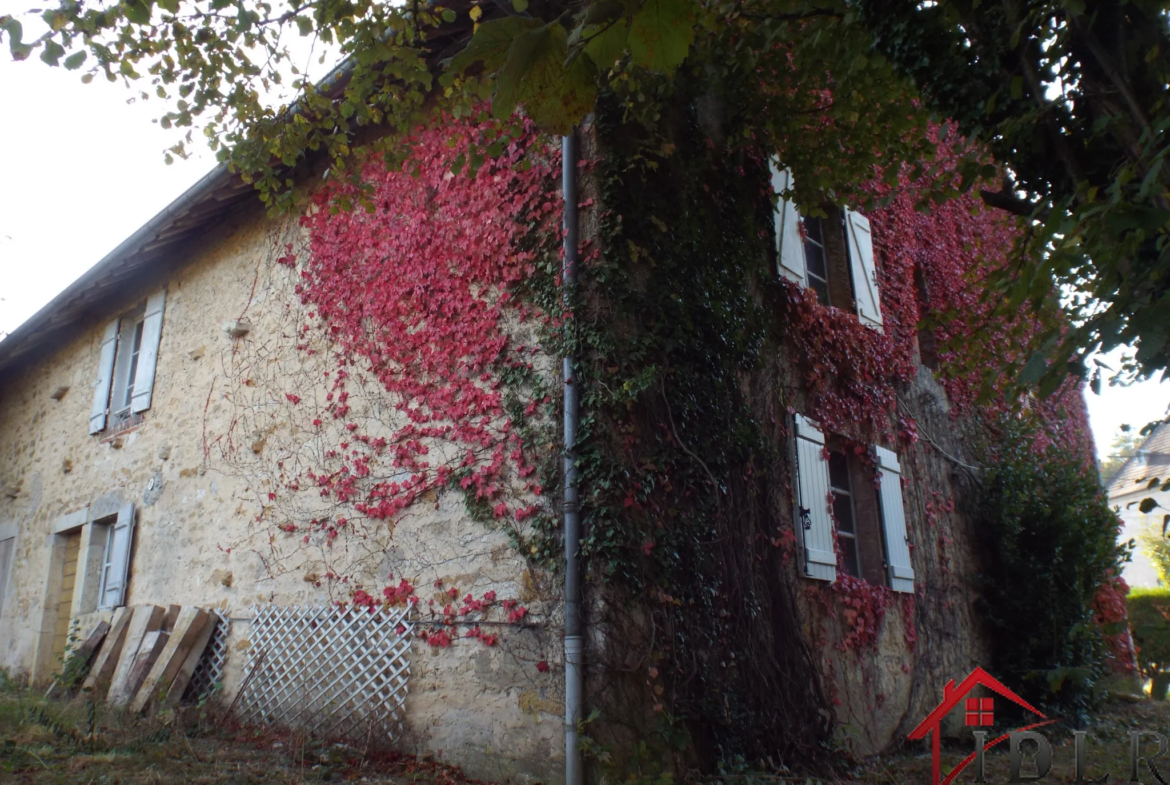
[[1068, 96]]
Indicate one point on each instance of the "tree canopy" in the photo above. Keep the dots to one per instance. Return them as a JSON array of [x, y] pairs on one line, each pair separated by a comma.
[[1061, 106]]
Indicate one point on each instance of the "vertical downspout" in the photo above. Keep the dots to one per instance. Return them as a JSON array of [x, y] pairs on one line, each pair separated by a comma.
[[574, 621]]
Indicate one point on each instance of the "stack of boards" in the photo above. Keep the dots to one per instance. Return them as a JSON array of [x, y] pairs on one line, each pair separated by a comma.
[[147, 655]]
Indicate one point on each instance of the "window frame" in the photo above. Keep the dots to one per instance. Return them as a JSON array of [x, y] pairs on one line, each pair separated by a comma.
[[130, 332], [106, 526], [124, 518], [846, 494], [814, 280], [850, 282], [8, 534]]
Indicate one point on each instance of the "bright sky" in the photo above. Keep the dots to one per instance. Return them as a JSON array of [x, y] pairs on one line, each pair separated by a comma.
[[83, 169]]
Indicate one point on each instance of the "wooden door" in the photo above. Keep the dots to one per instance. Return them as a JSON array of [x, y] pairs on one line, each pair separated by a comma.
[[65, 597]]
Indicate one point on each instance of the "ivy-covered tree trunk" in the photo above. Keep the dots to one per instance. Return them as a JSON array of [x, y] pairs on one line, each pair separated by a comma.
[[682, 457]]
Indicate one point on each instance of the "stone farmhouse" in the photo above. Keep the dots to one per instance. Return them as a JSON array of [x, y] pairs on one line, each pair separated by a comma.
[[158, 415]]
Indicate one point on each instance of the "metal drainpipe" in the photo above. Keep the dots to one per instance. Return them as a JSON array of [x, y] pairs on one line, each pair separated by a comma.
[[574, 620]]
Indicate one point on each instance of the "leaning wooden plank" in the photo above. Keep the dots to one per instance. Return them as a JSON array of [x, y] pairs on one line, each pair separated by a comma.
[[85, 651], [173, 611], [107, 656], [187, 669], [146, 618], [148, 653], [188, 627], [78, 661]]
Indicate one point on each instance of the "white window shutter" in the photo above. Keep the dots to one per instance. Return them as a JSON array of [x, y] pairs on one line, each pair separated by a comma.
[[101, 388], [814, 517], [148, 354], [116, 571], [790, 246], [865, 289], [901, 572]]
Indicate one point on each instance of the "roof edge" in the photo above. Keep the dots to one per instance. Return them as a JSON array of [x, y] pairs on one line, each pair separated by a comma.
[[12, 343]]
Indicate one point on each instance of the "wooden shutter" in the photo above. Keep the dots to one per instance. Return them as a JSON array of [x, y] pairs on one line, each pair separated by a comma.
[[789, 245], [901, 572], [116, 570], [865, 289], [816, 525], [101, 388], [148, 353]]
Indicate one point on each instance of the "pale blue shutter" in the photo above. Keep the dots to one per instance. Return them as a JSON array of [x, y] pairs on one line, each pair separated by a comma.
[[101, 388], [789, 245], [814, 517], [116, 570], [148, 353], [861, 261], [901, 573]]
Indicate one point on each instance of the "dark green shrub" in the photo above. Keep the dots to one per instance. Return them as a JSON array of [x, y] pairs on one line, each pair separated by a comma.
[[1049, 540], [1149, 620]]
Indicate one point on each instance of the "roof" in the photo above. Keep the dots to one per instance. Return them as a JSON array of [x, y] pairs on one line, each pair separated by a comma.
[[166, 241], [952, 695], [1151, 460], [141, 255]]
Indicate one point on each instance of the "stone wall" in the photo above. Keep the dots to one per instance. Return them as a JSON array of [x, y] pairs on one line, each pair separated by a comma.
[[882, 689], [198, 540]]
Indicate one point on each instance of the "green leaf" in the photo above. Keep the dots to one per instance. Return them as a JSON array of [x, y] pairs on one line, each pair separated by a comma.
[[565, 100], [15, 30], [13, 27], [606, 46], [74, 61], [525, 51], [491, 43], [52, 52], [600, 13], [662, 33], [520, 5], [138, 11], [556, 96], [304, 25], [1033, 369], [1147, 506]]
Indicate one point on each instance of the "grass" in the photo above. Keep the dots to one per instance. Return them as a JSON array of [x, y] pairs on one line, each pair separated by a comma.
[[46, 742], [81, 741]]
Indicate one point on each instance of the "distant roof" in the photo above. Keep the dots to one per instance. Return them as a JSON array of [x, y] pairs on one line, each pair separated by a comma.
[[1151, 460]]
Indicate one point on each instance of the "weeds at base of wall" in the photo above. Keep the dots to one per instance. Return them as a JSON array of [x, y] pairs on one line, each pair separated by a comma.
[[80, 740]]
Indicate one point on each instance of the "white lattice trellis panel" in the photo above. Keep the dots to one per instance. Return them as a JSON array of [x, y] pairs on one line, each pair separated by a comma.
[[334, 672], [209, 671]]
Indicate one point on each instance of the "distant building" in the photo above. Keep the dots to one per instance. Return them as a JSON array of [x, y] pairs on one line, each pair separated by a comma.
[[1126, 492]]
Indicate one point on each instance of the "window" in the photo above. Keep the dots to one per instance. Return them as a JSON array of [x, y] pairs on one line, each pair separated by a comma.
[[117, 534], [844, 521], [815, 261], [105, 562], [832, 255], [125, 370], [7, 556], [844, 513], [129, 354]]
